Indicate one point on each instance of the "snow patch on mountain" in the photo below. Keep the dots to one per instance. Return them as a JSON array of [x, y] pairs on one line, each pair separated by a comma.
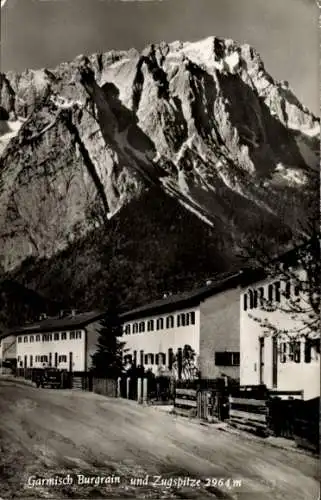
[[9, 130]]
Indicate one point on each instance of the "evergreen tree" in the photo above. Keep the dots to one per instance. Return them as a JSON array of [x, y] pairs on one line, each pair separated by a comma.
[[108, 359]]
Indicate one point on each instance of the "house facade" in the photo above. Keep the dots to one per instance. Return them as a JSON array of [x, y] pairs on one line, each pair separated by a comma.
[[8, 349], [206, 319], [278, 349], [65, 342]]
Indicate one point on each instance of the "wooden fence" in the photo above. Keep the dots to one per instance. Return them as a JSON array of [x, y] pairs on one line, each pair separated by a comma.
[[249, 414], [106, 387], [185, 402]]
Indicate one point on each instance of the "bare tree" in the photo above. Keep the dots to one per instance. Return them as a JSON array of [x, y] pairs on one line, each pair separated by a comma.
[[185, 364], [299, 271]]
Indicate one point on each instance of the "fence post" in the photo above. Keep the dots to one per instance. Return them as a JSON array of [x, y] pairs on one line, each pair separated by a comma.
[[145, 387], [139, 390], [127, 387], [118, 387]]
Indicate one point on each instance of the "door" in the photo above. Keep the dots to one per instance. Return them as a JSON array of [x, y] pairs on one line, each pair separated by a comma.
[[50, 359], [274, 362], [56, 359], [25, 364], [31, 361], [261, 361]]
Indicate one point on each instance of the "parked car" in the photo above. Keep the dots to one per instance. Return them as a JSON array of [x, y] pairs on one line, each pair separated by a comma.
[[48, 377]]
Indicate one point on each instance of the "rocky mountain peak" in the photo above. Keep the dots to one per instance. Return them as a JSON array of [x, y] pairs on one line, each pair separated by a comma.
[[202, 122]]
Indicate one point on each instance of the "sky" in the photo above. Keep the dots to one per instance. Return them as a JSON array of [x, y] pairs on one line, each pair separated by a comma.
[[43, 33]]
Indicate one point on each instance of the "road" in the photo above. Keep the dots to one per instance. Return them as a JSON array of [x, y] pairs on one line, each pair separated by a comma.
[[49, 434]]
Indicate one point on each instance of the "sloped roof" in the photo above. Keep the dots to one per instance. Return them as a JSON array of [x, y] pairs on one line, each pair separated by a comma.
[[57, 323], [185, 299]]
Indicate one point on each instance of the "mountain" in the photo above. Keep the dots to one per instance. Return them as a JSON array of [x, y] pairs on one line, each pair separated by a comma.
[[186, 139]]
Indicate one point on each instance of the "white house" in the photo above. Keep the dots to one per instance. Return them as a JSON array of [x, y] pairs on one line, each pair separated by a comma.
[[290, 359], [207, 319], [65, 342], [7, 349]]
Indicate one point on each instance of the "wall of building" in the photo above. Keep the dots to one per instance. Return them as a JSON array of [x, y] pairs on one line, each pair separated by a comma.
[[160, 341], [8, 348], [44, 348], [291, 376], [219, 332]]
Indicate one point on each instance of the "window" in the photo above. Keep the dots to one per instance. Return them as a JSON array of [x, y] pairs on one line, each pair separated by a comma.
[[255, 299], [45, 338], [50, 337], [251, 299], [160, 324], [150, 359], [270, 293], [261, 295], [19, 340], [62, 358], [277, 288], [283, 352], [38, 338], [146, 359], [170, 322], [32, 339], [44, 359], [157, 359], [297, 290], [170, 358], [311, 350], [25, 339], [192, 317], [141, 327], [182, 319], [63, 335], [227, 358], [245, 302], [56, 336], [72, 335], [135, 328], [127, 330], [162, 358], [287, 291], [150, 325], [294, 352], [78, 334]]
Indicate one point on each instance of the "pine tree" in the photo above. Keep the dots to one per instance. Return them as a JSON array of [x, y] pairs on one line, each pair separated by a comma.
[[108, 359]]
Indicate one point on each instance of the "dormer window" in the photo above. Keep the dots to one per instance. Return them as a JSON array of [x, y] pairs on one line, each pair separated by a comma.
[[135, 328]]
